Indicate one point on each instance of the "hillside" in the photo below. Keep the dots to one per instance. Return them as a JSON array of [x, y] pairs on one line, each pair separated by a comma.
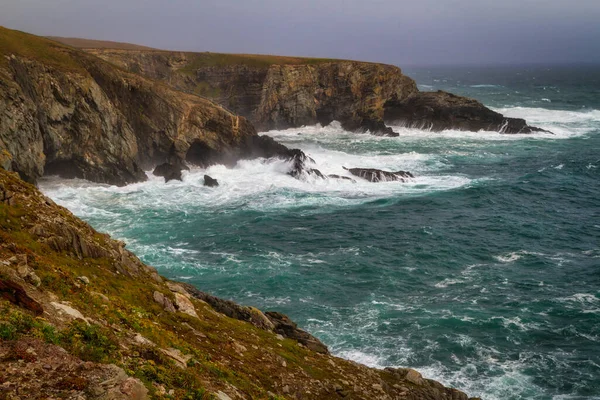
[[89, 320], [97, 44]]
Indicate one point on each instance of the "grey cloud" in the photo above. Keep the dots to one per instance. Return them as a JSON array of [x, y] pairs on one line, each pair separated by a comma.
[[393, 31]]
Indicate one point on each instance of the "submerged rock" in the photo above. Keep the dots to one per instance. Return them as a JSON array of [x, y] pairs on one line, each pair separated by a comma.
[[377, 175], [210, 182]]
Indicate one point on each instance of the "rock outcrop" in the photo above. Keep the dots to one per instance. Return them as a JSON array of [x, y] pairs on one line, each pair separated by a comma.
[[284, 92], [66, 112], [210, 182], [438, 111], [378, 175], [168, 171], [278, 92]]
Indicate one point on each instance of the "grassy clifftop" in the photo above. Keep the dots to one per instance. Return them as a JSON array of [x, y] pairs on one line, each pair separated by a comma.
[[37, 48], [197, 59]]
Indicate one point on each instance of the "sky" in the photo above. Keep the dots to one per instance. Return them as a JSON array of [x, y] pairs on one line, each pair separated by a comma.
[[401, 32]]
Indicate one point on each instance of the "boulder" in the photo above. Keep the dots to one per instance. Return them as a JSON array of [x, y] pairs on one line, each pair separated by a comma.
[[210, 182], [168, 171], [16, 294], [184, 305], [378, 175]]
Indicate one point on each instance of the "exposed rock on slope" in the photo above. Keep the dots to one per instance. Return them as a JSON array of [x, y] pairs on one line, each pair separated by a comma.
[[131, 334], [66, 112], [283, 92]]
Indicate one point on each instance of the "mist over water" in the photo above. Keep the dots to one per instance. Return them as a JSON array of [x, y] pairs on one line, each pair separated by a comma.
[[483, 272]]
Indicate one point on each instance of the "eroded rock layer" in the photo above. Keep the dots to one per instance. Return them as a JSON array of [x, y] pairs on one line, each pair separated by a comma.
[[66, 112], [283, 92]]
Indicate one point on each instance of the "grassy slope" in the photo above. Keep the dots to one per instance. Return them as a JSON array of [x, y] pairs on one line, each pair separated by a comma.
[[35, 47], [201, 59], [215, 361], [97, 44]]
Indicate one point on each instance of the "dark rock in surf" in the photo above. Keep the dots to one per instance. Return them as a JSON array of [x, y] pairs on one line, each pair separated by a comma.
[[377, 127], [168, 171], [438, 111], [288, 328], [210, 182], [335, 176], [377, 175]]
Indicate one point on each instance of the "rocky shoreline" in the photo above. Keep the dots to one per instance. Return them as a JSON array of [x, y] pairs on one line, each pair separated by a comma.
[[86, 316], [282, 94], [89, 320]]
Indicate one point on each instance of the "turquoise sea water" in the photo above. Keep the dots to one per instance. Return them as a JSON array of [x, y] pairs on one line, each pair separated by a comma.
[[483, 272]]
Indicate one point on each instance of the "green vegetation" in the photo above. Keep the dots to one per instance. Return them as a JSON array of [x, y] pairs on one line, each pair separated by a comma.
[[37, 48], [200, 60]]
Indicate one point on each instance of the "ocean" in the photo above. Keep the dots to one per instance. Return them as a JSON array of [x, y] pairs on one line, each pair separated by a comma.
[[482, 272]]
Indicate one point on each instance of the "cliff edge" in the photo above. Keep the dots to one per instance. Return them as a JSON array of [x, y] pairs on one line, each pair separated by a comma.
[[67, 112], [286, 92]]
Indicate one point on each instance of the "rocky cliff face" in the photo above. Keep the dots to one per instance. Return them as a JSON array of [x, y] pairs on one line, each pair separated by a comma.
[[282, 92], [277, 93], [63, 111]]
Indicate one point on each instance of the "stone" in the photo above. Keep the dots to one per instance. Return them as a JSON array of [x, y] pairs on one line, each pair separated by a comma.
[[134, 389], [168, 171], [210, 182], [84, 279], [222, 396], [184, 305], [33, 279], [239, 347], [16, 294], [414, 377], [163, 301], [69, 311], [176, 287], [377, 175], [139, 339], [180, 359], [100, 296]]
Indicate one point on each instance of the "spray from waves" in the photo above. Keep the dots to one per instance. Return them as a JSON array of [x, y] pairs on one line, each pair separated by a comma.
[[261, 185], [563, 123]]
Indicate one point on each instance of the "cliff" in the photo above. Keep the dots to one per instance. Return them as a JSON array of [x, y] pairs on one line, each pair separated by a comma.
[[66, 112], [286, 92], [82, 317]]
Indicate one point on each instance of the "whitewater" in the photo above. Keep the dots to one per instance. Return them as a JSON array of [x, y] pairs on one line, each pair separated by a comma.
[[482, 272]]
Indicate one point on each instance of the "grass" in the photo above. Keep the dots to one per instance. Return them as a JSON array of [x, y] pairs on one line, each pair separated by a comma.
[[200, 60], [126, 308], [37, 48]]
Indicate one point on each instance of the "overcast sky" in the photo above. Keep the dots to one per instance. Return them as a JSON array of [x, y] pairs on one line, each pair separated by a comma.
[[402, 32]]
